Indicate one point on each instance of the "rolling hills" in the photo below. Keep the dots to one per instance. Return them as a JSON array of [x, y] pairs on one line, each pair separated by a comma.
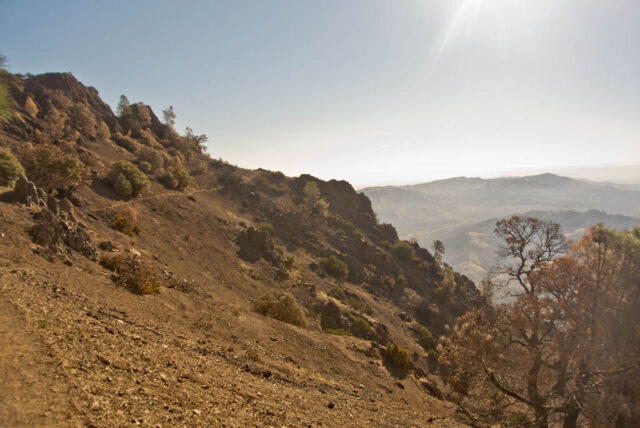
[[461, 212]]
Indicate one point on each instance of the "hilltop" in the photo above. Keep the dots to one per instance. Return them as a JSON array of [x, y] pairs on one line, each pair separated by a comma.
[[133, 285]]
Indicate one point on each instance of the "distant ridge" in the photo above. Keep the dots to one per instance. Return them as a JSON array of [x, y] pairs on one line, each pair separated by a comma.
[[461, 211]]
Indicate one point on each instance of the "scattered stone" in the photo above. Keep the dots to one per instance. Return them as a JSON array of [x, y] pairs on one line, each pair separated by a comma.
[[331, 405]]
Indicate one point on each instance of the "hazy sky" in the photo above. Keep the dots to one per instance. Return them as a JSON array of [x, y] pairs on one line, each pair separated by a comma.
[[369, 91]]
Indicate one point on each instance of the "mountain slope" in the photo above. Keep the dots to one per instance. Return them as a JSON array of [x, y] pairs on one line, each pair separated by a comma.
[[196, 353]]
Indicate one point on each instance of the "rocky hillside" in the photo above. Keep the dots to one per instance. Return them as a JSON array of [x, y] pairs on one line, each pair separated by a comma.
[[144, 282]]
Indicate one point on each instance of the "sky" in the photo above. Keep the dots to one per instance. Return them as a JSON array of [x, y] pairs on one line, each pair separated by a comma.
[[374, 92]]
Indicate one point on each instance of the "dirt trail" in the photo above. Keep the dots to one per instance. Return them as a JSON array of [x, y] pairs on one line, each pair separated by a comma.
[[32, 390]]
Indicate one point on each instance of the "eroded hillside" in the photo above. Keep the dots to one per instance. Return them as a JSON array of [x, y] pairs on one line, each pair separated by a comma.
[[203, 243]]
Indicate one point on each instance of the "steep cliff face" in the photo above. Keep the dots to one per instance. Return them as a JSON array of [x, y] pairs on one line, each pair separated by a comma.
[[215, 246]]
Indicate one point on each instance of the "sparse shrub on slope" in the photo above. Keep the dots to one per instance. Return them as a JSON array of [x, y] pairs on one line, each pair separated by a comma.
[[425, 338], [82, 120], [127, 179], [360, 326], [397, 355], [283, 307], [124, 141], [126, 221], [403, 250], [147, 138], [267, 227], [177, 178], [335, 267], [144, 166], [132, 274], [52, 169], [151, 156], [103, 131], [10, 168]]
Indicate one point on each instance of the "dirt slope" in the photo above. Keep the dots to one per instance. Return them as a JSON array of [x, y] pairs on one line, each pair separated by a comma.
[[76, 348]]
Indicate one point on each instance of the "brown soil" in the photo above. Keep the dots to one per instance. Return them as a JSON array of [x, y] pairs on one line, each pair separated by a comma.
[[77, 350]]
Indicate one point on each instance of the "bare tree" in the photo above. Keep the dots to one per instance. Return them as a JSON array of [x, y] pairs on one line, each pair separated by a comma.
[[567, 350], [526, 243]]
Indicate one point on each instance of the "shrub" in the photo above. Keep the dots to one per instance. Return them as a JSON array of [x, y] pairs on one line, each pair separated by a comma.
[[425, 338], [335, 267], [103, 131], [281, 306], [147, 138], [30, 107], [401, 281], [403, 250], [397, 355], [81, 119], [151, 156], [267, 227], [132, 274], [10, 168], [360, 326], [126, 221], [52, 169], [289, 262], [144, 166], [177, 178], [356, 303], [127, 179], [338, 331], [198, 167], [124, 141], [433, 355]]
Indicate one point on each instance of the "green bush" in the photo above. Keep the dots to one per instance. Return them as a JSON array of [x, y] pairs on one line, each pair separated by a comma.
[[281, 306], [433, 355], [397, 355], [52, 169], [82, 119], [360, 326], [144, 166], [356, 303], [403, 250], [177, 178], [125, 142], [425, 338], [267, 227], [10, 168], [335, 267], [127, 179]]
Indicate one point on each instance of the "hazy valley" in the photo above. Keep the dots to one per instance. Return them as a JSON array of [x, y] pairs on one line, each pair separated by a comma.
[[462, 212]]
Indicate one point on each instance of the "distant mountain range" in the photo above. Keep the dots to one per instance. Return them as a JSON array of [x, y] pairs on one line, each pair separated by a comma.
[[461, 211]]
